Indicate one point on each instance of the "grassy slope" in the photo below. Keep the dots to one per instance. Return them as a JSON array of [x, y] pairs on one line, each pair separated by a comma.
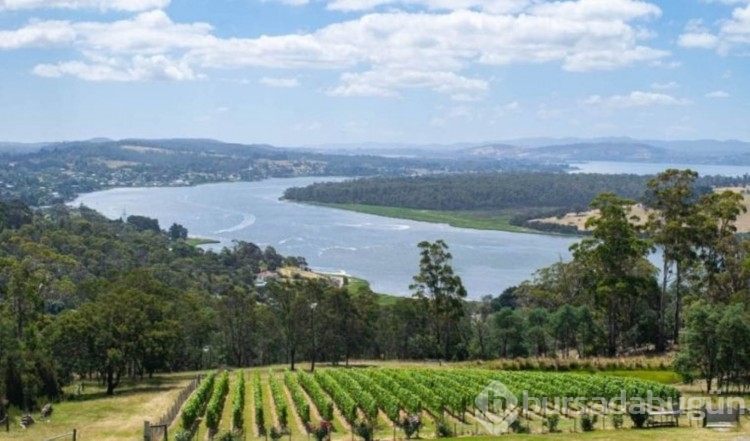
[[102, 418], [196, 241], [357, 285], [479, 220]]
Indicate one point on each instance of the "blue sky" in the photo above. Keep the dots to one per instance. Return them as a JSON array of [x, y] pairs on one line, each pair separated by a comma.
[[301, 72]]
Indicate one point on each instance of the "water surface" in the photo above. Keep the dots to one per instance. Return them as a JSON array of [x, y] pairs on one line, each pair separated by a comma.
[[380, 249]]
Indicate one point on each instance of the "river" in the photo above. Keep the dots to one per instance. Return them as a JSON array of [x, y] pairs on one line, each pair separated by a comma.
[[379, 249]]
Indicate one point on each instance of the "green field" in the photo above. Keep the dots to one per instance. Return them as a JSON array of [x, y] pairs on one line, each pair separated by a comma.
[[478, 220], [357, 285], [196, 241]]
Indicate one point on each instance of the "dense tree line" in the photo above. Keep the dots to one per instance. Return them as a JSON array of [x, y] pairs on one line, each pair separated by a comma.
[[536, 193], [488, 191]]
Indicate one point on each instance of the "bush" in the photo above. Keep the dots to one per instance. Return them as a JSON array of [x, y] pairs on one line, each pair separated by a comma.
[[182, 435], [411, 425], [588, 422], [443, 430], [275, 433], [228, 436], [517, 427], [363, 430], [321, 431], [617, 421], [551, 423], [639, 418]]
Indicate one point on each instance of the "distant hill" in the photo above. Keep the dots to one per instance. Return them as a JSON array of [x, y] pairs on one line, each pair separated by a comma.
[[15, 148], [615, 149], [705, 151], [610, 151]]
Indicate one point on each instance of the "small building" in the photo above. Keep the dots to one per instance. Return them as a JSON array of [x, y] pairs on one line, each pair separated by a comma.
[[263, 277]]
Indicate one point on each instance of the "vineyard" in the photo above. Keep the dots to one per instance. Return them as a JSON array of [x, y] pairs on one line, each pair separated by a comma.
[[400, 403]]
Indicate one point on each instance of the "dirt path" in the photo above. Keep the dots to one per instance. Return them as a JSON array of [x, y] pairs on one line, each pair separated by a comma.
[[274, 418]]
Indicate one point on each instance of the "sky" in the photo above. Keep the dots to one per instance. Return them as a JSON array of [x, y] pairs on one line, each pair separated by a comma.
[[318, 72]]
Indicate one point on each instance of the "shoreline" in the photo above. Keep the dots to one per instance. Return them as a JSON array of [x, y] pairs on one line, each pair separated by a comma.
[[472, 220]]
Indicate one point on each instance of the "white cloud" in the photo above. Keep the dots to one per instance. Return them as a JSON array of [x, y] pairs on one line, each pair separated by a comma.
[[384, 83], [493, 6], [732, 33], [636, 99], [139, 68], [665, 86], [717, 94], [422, 47], [38, 34], [283, 83], [104, 5], [585, 10], [698, 40]]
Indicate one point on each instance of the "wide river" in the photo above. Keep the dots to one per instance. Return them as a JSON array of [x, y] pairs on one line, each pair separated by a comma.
[[379, 249]]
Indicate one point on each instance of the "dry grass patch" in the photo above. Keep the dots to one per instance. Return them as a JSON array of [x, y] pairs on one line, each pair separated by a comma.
[[102, 418]]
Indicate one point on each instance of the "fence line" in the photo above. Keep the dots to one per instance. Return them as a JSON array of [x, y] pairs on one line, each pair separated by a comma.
[[74, 434], [169, 416]]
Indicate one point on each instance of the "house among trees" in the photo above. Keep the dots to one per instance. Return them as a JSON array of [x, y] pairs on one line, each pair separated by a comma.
[[263, 277]]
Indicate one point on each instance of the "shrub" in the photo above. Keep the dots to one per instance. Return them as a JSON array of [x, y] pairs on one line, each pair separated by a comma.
[[275, 433], [551, 423], [443, 429], [228, 436], [517, 427], [617, 421], [411, 425], [639, 418], [182, 435], [363, 430], [321, 431], [588, 422]]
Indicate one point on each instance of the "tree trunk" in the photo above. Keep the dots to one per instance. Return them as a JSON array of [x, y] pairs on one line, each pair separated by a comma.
[[677, 303], [660, 343], [113, 379], [612, 325]]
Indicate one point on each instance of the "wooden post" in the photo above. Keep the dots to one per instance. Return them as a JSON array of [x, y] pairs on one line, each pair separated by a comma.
[[75, 434], [146, 431], [166, 433]]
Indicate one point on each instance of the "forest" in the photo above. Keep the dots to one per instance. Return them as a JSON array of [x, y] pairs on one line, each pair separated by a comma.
[[524, 195], [84, 296]]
